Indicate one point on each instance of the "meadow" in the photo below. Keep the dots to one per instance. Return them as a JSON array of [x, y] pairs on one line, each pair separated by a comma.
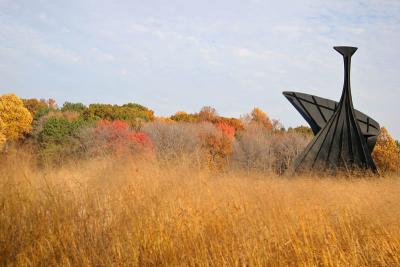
[[130, 211], [110, 185]]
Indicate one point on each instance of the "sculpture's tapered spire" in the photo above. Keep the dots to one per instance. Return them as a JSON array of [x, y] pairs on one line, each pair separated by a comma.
[[346, 51]]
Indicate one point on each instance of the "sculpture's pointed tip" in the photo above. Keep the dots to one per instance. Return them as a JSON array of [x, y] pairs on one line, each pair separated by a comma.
[[346, 50], [288, 94]]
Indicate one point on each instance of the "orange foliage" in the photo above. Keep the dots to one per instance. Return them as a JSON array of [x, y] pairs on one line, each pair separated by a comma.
[[226, 129], [236, 124], [260, 117], [217, 149], [218, 145]]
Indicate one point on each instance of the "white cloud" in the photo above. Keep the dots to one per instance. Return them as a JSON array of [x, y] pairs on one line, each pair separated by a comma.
[[101, 56], [243, 52], [57, 53], [138, 28], [43, 16]]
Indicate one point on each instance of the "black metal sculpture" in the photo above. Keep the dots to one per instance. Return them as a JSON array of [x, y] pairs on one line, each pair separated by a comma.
[[344, 137]]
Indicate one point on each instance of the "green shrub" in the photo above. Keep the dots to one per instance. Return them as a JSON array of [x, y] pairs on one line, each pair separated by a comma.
[[58, 139], [42, 112]]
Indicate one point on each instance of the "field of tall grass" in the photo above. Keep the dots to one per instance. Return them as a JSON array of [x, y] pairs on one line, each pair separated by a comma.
[[134, 212]]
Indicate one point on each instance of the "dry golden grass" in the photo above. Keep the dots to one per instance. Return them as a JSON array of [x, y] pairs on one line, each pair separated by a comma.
[[126, 212]]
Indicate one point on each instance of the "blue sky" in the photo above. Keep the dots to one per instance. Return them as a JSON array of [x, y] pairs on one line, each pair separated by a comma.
[[182, 55]]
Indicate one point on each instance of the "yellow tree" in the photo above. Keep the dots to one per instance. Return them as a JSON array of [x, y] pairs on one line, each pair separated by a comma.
[[386, 153], [16, 119]]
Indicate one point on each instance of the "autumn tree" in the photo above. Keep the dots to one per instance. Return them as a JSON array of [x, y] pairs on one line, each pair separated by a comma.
[[217, 144], [208, 113], [260, 117], [386, 152], [185, 117], [15, 118], [115, 138], [226, 129], [99, 111], [132, 113], [236, 124], [217, 148], [76, 107], [34, 105]]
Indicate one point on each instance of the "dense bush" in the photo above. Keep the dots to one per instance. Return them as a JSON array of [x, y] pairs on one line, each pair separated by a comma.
[[286, 147], [174, 140], [62, 136], [204, 143], [217, 146], [58, 139], [260, 149], [114, 138]]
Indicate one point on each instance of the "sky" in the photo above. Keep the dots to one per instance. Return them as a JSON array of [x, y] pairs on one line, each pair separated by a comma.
[[176, 55]]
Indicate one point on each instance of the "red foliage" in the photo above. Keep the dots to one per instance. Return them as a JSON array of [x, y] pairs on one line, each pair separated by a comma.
[[116, 137], [142, 139], [226, 129]]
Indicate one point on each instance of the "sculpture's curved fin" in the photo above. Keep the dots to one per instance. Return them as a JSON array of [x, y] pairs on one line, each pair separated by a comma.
[[317, 111]]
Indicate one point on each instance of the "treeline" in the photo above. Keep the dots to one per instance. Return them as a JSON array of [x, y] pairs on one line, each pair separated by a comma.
[[75, 131]]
